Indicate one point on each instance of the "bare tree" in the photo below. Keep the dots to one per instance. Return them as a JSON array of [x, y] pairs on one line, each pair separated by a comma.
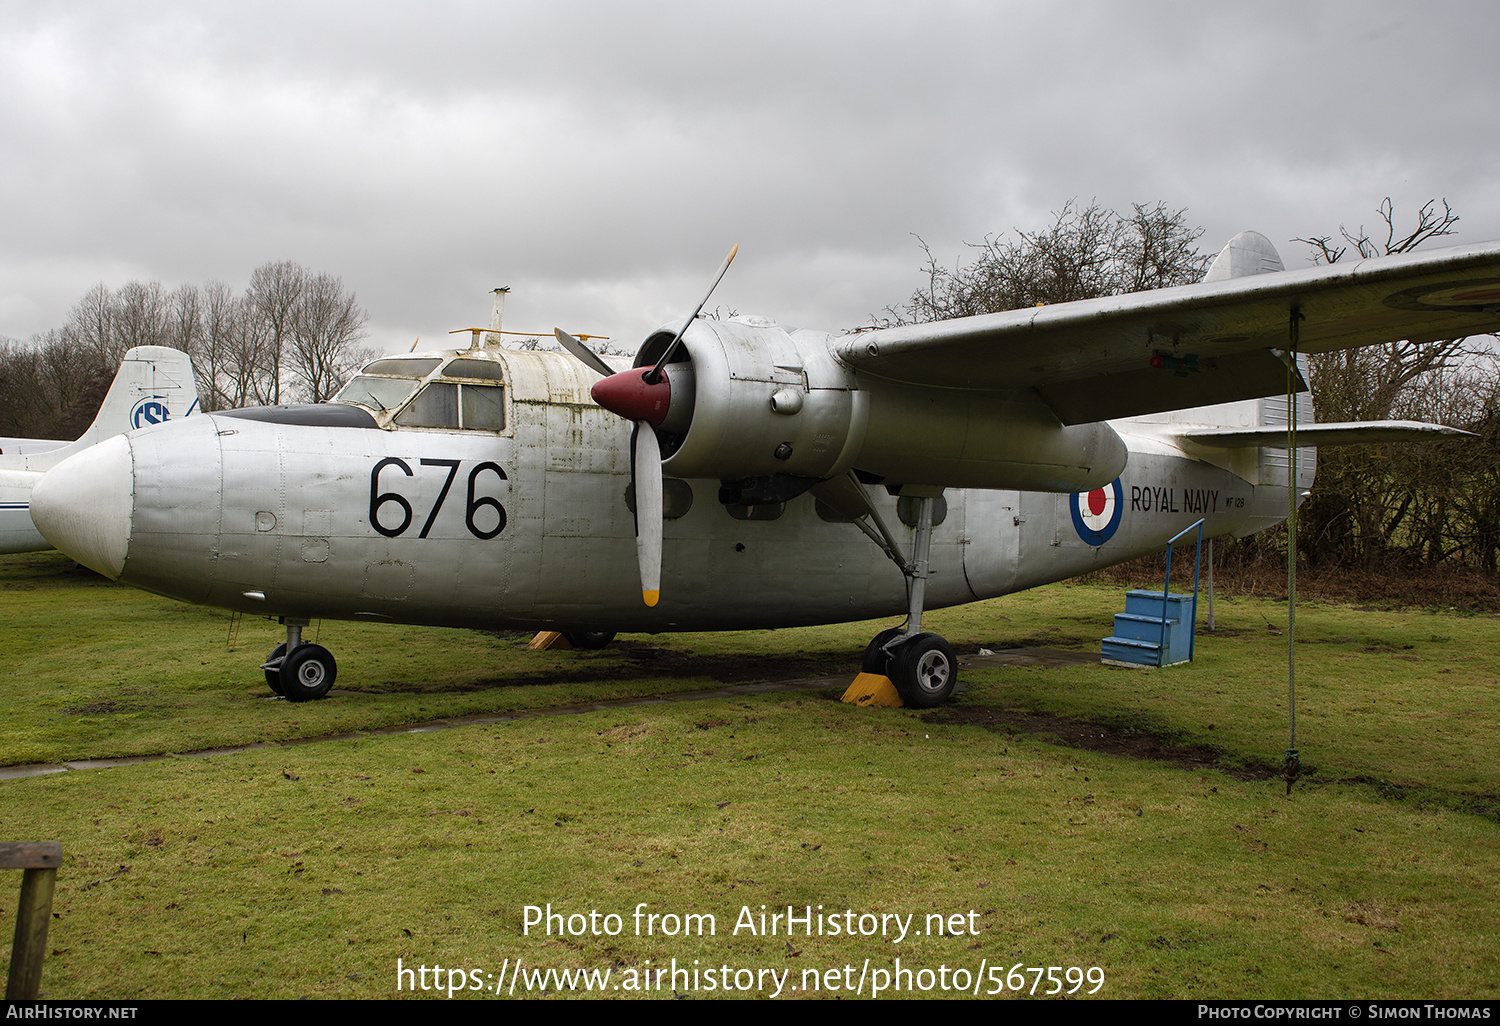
[[141, 316], [185, 320], [26, 406], [326, 327], [227, 359], [92, 321], [249, 367], [1365, 383], [1087, 252], [1372, 506], [1430, 225], [50, 386], [275, 289], [292, 328]]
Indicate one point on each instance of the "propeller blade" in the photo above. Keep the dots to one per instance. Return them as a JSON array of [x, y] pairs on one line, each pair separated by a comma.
[[645, 465], [655, 374], [582, 353]]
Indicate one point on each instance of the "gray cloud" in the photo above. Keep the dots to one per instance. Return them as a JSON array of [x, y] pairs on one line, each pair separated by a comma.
[[600, 158]]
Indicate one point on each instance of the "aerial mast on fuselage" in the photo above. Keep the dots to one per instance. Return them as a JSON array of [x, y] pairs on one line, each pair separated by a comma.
[[492, 336]]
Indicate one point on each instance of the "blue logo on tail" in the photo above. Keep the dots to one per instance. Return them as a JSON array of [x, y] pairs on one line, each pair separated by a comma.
[[150, 411]]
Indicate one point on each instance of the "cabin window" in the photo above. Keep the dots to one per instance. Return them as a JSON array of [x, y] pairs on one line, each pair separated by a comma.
[[482, 407], [442, 404]]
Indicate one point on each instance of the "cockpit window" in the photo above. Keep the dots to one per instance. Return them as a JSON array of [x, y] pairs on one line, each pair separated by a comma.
[[406, 367], [487, 370], [436, 406], [387, 385], [377, 393]]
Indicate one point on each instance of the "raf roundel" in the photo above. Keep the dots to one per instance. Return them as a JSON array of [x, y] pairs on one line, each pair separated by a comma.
[[1097, 514]]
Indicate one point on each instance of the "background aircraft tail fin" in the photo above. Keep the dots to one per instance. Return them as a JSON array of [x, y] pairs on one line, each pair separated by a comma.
[[153, 384]]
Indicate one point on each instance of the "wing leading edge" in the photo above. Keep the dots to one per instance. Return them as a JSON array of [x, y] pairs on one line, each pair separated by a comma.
[[1216, 341], [1351, 433]]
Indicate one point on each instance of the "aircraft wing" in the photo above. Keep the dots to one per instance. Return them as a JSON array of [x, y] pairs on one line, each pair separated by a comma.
[[1092, 360], [1363, 432]]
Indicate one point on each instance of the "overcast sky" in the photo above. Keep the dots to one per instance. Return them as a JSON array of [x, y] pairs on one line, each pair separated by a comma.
[[600, 158]]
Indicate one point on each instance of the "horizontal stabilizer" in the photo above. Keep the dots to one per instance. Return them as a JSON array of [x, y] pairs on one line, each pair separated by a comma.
[[25, 480], [1360, 432]]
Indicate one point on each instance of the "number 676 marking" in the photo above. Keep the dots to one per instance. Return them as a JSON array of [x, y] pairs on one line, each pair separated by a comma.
[[472, 505]]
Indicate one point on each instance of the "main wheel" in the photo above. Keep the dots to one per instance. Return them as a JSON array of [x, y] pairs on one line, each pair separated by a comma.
[[589, 639], [875, 660], [273, 677], [925, 671], [308, 673]]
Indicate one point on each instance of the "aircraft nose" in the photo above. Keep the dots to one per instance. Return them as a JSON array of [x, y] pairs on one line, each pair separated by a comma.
[[83, 505]]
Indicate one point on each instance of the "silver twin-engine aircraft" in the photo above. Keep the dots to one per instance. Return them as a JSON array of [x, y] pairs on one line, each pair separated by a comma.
[[745, 474]]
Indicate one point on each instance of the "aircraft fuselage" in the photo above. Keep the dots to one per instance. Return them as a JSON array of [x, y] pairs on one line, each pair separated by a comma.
[[530, 527]]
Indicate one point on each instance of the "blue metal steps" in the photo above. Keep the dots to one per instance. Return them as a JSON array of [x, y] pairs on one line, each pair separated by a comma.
[[1139, 631]]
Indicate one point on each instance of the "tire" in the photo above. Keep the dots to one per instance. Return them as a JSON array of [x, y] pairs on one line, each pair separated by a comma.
[[925, 671], [874, 660], [308, 673], [273, 677], [589, 639]]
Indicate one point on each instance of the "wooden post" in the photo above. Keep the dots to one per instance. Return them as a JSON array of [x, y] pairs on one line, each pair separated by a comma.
[[1210, 584], [39, 860]]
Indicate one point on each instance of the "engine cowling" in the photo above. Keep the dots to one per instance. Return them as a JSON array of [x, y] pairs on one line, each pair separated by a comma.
[[751, 400]]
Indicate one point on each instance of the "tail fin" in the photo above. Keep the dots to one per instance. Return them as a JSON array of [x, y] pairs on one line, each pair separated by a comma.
[[1246, 253], [154, 384]]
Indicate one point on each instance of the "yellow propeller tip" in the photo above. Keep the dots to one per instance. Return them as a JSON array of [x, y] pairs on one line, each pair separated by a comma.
[[650, 597]]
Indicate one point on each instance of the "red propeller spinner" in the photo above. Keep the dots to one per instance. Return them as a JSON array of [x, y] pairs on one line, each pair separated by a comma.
[[629, 395]]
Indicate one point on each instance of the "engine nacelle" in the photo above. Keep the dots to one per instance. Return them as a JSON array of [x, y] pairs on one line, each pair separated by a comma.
[[770, 412], [754, 400]]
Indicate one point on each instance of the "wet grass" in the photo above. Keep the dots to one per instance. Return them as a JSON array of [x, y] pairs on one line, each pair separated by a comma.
[[309, 870]]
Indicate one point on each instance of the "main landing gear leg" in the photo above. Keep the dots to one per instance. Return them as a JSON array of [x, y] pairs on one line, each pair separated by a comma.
[[921, 666], [299, 672]]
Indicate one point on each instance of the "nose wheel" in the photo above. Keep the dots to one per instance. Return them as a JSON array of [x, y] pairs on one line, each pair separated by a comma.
[[297, 671]]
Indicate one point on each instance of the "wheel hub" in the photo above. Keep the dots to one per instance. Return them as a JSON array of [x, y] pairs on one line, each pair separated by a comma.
[[932, 672]]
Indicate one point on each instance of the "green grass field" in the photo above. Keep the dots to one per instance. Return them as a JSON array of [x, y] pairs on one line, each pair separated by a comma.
[[310, 869]]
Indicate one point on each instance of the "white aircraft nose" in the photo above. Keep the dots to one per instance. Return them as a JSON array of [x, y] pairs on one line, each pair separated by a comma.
[[83, 505]]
